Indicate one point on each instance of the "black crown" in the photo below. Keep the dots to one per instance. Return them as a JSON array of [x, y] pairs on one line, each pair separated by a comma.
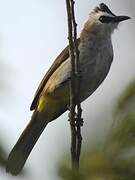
[[104, 8]]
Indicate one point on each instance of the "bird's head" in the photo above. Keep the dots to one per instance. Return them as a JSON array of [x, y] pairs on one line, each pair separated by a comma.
[[103, 18]]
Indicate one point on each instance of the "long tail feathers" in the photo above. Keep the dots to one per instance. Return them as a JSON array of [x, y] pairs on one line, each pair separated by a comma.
[[24, 145]]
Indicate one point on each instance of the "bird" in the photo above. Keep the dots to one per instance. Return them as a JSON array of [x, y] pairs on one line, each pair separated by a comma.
[[52, 97]]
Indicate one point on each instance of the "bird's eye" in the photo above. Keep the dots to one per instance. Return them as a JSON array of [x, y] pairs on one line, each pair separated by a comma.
[[105, 19], [102, 19]]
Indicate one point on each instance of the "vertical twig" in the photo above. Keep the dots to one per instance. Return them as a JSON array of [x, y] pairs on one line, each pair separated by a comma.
[[75, 117], [72, 84], [79, 120]]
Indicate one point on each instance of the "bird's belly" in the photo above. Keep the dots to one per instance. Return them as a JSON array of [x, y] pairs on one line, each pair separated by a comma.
[[92, 75]]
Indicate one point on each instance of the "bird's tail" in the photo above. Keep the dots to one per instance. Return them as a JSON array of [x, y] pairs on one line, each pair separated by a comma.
[[25, 144]]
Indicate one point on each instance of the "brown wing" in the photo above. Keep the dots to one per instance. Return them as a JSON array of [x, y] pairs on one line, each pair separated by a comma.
[[58, 61]]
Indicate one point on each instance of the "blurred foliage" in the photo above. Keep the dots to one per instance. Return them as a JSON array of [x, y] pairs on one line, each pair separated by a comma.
[[113, 158]]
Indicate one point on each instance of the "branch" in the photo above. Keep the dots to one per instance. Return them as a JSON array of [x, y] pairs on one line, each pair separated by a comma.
[[72, 83], [75, 117], [79, 120]]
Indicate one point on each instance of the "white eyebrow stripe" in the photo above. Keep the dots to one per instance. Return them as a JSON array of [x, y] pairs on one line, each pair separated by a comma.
[[105, 14], [108, 14]]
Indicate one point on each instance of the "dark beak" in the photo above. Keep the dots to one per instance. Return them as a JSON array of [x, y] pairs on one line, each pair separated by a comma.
[[118, 19]]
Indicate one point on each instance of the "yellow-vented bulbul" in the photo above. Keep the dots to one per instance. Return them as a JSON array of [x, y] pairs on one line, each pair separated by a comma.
[[52, 97]]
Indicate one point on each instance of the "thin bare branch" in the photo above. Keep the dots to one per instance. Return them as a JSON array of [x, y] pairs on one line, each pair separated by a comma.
[[72, 84], [79, 120], [75, 117]]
